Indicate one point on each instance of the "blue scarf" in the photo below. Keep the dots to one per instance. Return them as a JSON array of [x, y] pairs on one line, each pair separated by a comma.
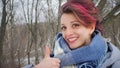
[[90, 56]]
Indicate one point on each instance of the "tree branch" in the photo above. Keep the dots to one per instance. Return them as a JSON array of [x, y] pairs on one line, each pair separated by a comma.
[[101, 6], [110, 14], [117, 36]]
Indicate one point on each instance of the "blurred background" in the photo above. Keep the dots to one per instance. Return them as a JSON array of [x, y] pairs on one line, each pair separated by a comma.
[[27, 26]]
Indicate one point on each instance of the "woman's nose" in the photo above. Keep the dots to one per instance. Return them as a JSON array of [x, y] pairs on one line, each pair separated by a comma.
[[69, 32]]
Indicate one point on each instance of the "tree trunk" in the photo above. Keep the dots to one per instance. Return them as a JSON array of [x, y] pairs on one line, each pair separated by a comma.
[[2, 30]]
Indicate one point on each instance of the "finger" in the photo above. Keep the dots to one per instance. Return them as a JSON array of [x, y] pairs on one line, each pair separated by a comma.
[[57, 66], [56, 60], [47, 52]]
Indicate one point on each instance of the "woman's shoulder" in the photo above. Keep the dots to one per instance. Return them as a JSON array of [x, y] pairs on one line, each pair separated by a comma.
[[112, 58], [114, 50]]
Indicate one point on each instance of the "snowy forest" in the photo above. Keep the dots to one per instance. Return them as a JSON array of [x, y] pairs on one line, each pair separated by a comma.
[[27, 26]]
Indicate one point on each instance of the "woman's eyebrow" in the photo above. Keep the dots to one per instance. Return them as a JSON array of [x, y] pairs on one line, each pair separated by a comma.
[[74, 21]]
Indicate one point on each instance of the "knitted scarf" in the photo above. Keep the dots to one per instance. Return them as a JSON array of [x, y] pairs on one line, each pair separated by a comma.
[[90, 56]]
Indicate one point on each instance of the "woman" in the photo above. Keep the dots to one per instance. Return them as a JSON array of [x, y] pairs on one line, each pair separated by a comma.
[[80, 43]]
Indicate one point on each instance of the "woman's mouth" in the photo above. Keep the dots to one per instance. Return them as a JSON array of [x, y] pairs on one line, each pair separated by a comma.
[[72, 40]]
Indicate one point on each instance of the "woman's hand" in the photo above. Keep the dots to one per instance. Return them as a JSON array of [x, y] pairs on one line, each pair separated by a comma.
[[48, 62]]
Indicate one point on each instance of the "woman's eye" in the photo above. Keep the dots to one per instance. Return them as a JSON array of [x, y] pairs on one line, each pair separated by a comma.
[[76, 25], [63, 28]]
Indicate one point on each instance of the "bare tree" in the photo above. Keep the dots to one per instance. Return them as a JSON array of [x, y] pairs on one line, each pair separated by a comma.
[[118, 36], [59, 15], [36, 32], [3, 28], [110, 20], [28, 19], [12, 62], [31, 18]]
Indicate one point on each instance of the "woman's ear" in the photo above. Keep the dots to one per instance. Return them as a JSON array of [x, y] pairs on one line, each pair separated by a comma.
[[92, 28]]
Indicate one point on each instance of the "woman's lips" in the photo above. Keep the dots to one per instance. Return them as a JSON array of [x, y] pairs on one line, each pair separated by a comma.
[[72, 40]]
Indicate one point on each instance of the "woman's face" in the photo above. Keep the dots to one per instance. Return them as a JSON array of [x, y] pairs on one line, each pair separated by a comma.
[[75, 33]]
